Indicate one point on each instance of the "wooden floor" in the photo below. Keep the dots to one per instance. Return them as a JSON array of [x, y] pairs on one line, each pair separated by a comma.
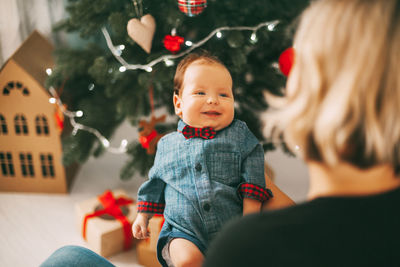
[[32, 226]]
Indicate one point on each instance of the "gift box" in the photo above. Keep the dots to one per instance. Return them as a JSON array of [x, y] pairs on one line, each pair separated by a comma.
[[105, 222], [146, 255], [155, 225]]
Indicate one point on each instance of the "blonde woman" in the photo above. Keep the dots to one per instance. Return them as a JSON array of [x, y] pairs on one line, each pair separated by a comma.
[[342, 109]]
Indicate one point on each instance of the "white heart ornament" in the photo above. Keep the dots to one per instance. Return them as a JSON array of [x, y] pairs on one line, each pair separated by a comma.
[[142, 31]]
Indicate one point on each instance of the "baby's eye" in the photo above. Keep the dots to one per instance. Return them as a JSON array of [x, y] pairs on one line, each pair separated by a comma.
[[200, 93], [224, 95]]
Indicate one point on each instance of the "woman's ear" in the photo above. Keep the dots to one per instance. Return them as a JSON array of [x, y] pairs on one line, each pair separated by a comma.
[[178, 105]]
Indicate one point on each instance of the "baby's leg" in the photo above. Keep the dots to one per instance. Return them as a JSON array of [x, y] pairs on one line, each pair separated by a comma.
[[184, 253]]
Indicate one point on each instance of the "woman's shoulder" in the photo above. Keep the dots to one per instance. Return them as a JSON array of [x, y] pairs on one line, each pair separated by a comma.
[[272, 220], [247, 241], [310, 231]]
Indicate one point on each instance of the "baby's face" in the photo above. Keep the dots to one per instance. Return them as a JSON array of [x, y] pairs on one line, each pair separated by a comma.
[[206, 98]]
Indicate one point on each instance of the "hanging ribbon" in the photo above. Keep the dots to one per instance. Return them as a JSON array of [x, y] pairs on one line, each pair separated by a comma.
[[111, 206]]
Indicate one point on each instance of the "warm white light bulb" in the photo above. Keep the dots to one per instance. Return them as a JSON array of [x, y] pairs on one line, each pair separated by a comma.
[[124, 143], [271, 26], [105, 143], [122, 69], [275, 65], [149, 69], [49, 71], [52, 100], [188, 43], [169, 62], [79, 113], [219, 34], [253, 38], [119, 49]]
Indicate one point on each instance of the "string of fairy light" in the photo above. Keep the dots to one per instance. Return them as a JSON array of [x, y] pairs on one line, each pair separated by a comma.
[[167, 59], [55, 99]]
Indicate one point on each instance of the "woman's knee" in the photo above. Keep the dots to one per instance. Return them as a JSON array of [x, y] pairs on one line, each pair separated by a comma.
[[75, 256]]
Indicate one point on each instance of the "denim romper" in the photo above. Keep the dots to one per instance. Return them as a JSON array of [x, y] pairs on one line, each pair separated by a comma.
[[198, 184]]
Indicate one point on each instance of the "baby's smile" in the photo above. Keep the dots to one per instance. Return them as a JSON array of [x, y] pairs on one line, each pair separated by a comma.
[[211, 113]]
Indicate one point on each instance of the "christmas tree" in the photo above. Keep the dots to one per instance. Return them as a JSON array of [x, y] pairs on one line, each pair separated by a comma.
[[113, 78]]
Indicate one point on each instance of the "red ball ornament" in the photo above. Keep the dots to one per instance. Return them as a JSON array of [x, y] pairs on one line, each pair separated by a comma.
[[173, 43], [286, 60], [192, 7]]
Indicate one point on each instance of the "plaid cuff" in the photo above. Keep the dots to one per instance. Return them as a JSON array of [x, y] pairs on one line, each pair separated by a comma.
[[150, 207], [254, 191]]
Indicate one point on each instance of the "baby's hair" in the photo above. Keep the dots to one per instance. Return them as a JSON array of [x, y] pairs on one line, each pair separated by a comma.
[[343, 92], [203, 57]]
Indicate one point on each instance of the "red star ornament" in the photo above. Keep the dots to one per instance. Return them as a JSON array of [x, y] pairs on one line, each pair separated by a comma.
[[173, 43]]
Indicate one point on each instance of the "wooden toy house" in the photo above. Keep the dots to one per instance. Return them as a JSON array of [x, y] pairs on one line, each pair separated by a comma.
[[30, 143]]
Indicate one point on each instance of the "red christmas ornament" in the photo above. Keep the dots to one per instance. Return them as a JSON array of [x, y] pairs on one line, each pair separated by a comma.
[[192, 7], [59, 117], [173, 43], [148, 136], [59, 121], [286, 60]]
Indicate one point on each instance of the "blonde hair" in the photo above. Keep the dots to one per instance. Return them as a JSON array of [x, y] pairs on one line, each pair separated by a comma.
[[343, 93]]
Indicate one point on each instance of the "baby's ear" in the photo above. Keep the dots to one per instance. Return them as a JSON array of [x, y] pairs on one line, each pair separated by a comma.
[[177, 105]]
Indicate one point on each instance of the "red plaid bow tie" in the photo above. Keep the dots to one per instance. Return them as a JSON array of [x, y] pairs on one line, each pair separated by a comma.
[[205, 133]]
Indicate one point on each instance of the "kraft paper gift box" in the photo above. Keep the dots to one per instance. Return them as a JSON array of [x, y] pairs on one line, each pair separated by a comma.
[[101, 223], [146, 256], [155, 225], [146, 250]]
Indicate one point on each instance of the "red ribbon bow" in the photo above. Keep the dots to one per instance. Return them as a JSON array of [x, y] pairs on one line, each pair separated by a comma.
[[205, 133], [145, 140], [112, 207]]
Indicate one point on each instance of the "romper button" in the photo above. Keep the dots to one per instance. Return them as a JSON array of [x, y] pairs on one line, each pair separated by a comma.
[[198, 167], [206, 207]]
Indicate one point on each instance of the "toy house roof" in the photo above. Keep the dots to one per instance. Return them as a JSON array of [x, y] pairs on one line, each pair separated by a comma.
[[35, 56]]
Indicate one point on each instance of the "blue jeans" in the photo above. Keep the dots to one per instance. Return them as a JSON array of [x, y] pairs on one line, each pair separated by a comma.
[[75, 256]]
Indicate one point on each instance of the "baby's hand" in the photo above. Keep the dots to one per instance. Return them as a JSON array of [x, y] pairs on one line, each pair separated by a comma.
[[139, 227]]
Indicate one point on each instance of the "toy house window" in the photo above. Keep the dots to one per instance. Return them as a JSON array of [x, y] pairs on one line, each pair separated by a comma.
[[46, 161], [15, 85], [3, 125], [6, 163], [42, 128], [26, 164], [21, 126]]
